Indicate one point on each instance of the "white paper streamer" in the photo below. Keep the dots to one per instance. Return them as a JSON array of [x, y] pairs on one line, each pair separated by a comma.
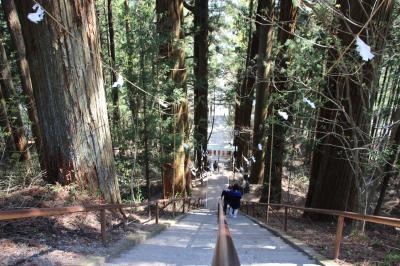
[[364, 50], [310, 103], [38, 15], [284, 115], [119, 82]]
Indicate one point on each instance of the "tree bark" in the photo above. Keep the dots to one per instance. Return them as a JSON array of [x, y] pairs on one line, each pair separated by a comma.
[[134, 103], [244, 101], [169, 21], [115, 92], [10, 95], [145, 131], [200, 78], [6, 127], [338, 157], [264, 62], [23, 67], [390, 168], [276, 141], [69, 94]]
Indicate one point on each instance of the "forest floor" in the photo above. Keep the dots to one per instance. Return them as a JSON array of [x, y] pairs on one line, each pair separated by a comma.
[[379, 245], [62, 240]]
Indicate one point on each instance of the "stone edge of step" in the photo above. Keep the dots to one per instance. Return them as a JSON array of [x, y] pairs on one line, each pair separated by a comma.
[[297, 244], [131, 240]]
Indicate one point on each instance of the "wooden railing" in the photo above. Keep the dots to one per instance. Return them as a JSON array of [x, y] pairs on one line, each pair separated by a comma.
[[340, 214], [225, 253], [45, 212]]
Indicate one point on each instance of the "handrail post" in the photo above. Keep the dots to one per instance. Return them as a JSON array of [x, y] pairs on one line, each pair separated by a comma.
[[247, 208], [253, 208], [189, 204], [183, 205], [266, 214], [149, 208], [286, 218], [157, 212], [173, 207], [339, 233], [103, 226]]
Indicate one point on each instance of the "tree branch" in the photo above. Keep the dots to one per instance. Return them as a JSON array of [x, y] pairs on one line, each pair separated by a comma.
[[188, 7]]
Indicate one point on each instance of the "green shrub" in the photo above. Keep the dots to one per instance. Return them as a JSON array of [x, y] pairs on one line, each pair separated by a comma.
[[393, 258]]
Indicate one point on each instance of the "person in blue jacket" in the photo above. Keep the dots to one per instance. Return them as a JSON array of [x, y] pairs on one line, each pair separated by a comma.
[[234, 200]]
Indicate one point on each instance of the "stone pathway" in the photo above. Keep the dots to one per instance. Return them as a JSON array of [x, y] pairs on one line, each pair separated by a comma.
[[191, 241], [215, 184], [257, 246]]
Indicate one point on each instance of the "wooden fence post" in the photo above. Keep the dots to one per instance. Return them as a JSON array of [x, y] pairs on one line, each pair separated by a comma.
[[339, 233], [173, 207], [103, 226], [149, 210], [157, 212], [183, 205], [253, 208], [286, 217], [247, 208], [189, 204]]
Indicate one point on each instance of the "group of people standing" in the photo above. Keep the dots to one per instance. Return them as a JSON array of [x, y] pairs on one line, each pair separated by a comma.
[[231, 197]]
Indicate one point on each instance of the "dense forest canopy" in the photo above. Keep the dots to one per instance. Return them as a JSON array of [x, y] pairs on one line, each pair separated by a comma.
[[115, 96]]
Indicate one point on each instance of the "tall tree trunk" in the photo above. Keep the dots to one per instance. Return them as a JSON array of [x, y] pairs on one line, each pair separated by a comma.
[[115, 92], [180, 158], [145, 131], [245, 95], [16, 34], [390, 166], [264, 63], [70, 97], [276, 141], [131, 90], [17, 126], [338, 158], [200, 78], [169, 21], [6, 127]]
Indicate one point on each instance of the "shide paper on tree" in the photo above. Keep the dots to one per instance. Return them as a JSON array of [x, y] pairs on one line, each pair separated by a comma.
[[163, 104], [310, 103], [364, 50], [119, 82], [284, 115], [38, 15], [260, 146]]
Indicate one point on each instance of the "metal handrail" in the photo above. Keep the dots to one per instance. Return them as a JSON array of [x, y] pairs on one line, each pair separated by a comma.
[[352, 215], [340, 214], [14, 214], [225, 252]]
